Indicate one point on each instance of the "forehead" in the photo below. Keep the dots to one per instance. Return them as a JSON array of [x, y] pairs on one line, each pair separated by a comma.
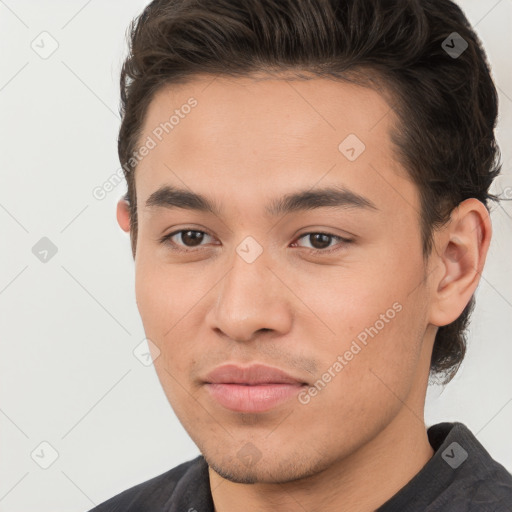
[[280, 110], [255, 133]]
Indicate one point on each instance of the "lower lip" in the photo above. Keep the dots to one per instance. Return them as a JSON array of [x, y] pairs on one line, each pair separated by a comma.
[[255, 398]]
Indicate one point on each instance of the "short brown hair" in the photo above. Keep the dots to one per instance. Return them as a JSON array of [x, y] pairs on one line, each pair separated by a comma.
[[447, 105]]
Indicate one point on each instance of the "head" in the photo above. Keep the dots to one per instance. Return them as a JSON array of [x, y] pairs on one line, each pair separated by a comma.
[[329, 165]]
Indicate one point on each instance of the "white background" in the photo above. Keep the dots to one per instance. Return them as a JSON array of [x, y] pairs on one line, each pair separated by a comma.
[[68, 327]]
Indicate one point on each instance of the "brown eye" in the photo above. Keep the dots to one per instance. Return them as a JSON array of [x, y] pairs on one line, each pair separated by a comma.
[[321, 242], [191, 238], [184, 238]]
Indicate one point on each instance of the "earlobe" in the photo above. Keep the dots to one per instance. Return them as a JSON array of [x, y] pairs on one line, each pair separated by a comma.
[[462, 249], [123, 214]]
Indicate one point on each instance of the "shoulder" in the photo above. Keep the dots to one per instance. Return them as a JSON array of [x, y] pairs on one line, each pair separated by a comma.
[[461, 476], [161, 490], [475, 479]]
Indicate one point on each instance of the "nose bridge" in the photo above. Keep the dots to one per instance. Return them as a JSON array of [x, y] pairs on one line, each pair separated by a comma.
[[250, 297]]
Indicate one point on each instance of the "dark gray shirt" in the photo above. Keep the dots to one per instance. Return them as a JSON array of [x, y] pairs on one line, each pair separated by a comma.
[[460, 477]]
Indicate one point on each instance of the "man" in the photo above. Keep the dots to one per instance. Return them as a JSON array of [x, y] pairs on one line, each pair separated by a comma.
[[308, 209]]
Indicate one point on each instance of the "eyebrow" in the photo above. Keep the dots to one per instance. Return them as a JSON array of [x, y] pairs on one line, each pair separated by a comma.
[[328, 197]]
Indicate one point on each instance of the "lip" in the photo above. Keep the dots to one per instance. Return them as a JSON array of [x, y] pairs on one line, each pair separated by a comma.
[[255, 388]]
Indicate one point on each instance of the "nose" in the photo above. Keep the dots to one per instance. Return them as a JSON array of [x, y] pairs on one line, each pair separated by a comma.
[[252, 298]]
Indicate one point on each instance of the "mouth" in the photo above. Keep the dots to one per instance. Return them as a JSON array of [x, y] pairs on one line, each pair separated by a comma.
[[252, 389]]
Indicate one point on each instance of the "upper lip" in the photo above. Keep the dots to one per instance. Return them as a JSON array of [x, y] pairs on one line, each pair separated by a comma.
[[249, 375]]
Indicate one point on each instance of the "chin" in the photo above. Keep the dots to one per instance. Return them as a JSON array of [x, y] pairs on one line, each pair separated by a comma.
[[262, 472]]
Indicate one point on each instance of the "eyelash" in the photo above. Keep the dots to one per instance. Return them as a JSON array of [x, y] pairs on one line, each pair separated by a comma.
[[174, 247]]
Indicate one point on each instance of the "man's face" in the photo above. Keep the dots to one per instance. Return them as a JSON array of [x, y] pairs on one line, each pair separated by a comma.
[[347, 323]]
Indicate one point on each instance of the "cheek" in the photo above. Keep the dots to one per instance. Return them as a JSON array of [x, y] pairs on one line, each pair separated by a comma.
[[153, 301], [162, 298], [368, 371], [345, 303], [167, 299], [161, 308], [372, 319]]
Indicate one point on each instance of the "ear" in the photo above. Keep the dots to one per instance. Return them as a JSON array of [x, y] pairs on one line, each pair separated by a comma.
[[123, 214], [462, 247]]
